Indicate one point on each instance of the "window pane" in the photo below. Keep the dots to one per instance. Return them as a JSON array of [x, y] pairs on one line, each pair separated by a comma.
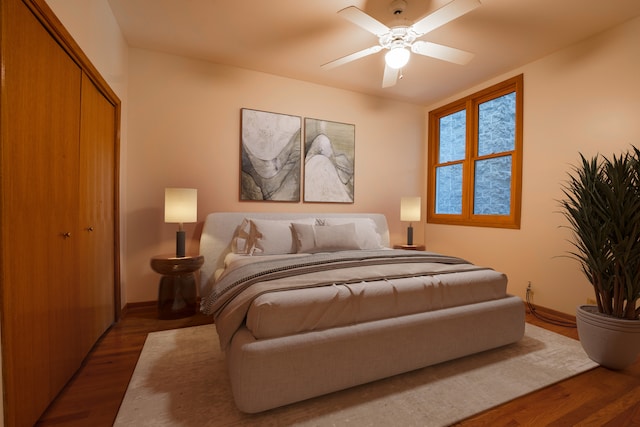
[[452, 137], [492, 192], [449, 189], [497, 125]]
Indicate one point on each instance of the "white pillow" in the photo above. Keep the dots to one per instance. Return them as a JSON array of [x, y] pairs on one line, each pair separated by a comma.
[[366, 230], [275, 237], [325, 238]]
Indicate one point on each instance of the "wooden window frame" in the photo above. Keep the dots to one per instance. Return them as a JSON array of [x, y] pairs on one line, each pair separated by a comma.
[[470, 105]]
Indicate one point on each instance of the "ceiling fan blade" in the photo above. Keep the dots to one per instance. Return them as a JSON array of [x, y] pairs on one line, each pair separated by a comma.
[[439, 51], [445, 14], [390, 77], [363, 20], [357, 55]]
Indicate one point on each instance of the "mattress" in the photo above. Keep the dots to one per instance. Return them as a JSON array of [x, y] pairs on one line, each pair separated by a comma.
[[287, 310], [276, 314]]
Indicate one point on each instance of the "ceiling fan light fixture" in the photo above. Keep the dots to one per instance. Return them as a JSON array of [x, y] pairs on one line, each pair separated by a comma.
[[401, 39], [397, 57]]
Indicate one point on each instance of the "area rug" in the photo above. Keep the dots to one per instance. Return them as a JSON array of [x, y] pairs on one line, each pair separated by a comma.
[[181, 380]]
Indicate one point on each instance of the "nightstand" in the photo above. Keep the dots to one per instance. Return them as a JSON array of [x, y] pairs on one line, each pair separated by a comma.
[[410, 247], [177, 293]]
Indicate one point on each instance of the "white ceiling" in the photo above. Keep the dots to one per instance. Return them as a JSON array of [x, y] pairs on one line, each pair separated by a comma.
[[292, 38]]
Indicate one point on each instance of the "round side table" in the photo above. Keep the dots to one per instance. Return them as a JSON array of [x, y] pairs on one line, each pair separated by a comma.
[[177, 293]]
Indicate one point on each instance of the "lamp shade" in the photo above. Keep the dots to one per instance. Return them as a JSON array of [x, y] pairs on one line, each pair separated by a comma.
[[397, 57], [180, 205], [410, 209]]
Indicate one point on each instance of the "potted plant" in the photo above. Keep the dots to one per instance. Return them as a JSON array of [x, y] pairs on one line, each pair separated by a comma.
[[602, 205]]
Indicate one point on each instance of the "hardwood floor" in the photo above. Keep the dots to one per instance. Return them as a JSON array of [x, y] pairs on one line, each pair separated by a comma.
[[93, 396], [599, 397], [596, 398]]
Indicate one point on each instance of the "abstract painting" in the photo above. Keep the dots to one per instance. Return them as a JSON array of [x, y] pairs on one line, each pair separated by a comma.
[[329, 158], [270, 159]]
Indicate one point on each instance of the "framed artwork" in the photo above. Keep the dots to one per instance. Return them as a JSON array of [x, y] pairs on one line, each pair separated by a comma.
[[270, 158], [329, 158]]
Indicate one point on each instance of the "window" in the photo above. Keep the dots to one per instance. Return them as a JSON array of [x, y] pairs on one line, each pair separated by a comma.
[[475, 159]]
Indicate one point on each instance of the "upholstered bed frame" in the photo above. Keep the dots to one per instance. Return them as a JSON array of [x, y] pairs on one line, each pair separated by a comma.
[[273, 372]]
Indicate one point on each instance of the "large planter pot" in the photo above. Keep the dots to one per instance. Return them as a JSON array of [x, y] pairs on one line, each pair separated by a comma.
[[611, 342]]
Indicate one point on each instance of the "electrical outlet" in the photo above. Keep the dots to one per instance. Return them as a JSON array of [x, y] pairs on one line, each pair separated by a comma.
[[591, 301]]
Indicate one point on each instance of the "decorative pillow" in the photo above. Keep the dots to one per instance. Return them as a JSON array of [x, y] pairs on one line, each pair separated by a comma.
[[245, 238], [275, 237], [366, 234], [325, 238]]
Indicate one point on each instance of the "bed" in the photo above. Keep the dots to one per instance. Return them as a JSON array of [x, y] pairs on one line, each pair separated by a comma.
[[307, 304]]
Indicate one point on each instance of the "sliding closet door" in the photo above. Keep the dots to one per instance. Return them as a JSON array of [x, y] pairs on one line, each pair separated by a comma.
[[97, 201], [40, 133]]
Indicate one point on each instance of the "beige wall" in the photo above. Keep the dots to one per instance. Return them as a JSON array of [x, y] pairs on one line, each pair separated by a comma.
[[585, 98], [180, 127], [184, 117], [184, 129]]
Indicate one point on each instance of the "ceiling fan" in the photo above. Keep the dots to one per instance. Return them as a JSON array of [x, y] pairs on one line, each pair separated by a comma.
[[399, 39]]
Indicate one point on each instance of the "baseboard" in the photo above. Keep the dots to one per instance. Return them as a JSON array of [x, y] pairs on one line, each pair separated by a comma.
[[134, 306], [550, 312], [140, 304], [143, 305]]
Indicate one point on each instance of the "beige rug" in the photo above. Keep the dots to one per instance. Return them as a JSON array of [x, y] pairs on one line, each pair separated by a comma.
[[181, 380]]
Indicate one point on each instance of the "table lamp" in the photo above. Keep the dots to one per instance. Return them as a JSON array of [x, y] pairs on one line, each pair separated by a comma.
[[410, 211], [180, 206]]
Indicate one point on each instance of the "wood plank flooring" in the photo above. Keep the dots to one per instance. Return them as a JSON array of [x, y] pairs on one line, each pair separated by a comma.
[[596, 398], [599, 397], [92, 398]]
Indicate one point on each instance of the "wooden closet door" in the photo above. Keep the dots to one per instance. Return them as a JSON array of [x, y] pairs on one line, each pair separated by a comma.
[[40, 133], [96, 210]]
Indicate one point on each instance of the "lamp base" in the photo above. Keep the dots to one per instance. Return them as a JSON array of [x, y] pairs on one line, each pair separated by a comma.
[[180, 244], [409, 236]]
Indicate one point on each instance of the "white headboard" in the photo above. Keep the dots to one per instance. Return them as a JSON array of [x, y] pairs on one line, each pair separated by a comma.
[[219, 228]]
